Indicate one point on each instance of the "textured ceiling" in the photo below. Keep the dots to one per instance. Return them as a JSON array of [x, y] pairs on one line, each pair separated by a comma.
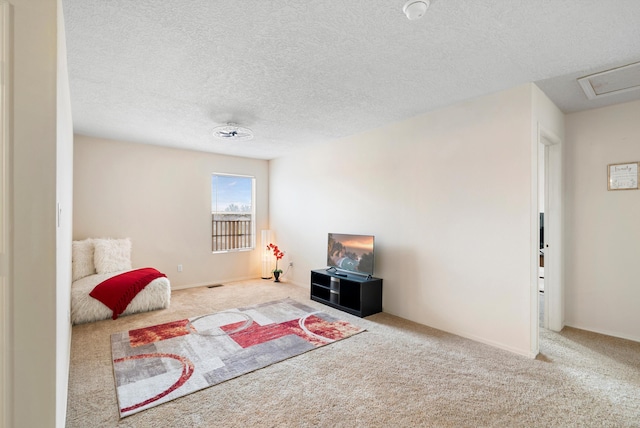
[[305, 72]]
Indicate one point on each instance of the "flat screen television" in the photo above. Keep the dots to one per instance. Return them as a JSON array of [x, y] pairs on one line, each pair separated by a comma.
[[350, 253]]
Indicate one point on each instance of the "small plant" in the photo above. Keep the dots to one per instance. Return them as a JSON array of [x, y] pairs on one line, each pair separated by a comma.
[[278, 255]]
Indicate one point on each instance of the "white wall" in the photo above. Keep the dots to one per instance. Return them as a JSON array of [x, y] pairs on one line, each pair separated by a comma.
[[603, 227], [448, 197], [35, 329], [161, 199]]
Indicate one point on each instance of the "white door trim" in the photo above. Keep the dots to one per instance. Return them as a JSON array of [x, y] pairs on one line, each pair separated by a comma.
[[6, 385], [553, 272], [547, 278]]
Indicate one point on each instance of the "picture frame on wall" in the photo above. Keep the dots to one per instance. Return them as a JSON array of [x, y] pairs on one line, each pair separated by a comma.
[[623, 176]]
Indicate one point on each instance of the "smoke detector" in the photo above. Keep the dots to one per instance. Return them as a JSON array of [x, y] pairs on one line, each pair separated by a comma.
[[232, 132], [415, 9]]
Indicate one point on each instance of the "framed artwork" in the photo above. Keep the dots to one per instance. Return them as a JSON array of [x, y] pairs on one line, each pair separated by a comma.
[[623, 176]]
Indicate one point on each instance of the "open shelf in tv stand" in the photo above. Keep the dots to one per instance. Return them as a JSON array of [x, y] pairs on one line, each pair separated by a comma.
[[356, 294]]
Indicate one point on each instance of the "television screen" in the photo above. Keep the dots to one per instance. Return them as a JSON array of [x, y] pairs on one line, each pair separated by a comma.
[[353, 253]]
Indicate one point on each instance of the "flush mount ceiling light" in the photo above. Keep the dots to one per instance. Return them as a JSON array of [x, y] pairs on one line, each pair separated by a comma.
[[232, 132], [415, 9]]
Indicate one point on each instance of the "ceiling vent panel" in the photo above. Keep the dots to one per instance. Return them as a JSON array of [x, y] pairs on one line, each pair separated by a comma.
[[614, 81]]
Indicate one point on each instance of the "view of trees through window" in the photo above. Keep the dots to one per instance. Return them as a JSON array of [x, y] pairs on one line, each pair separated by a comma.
[[232, 212]]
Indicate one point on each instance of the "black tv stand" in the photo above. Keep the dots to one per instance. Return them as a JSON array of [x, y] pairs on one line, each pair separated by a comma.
[[355, 294]]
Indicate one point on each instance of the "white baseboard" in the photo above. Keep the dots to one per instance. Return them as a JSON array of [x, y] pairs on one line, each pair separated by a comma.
[[225, 281], [523, 352], [212, 282], [606, 332]]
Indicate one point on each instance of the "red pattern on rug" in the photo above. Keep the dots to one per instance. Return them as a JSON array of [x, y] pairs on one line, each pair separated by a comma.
[[256, 334], [187, 371], [156, 333]]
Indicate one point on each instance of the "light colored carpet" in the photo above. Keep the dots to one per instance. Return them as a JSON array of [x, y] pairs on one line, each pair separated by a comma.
[[397, 373]]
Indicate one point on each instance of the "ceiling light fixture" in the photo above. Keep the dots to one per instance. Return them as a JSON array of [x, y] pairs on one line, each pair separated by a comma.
[[415, 9], [232, 131]]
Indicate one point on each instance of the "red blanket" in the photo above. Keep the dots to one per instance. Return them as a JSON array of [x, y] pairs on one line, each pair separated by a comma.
[[118, 291]]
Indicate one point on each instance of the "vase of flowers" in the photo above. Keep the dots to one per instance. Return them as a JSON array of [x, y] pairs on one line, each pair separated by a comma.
[[278, 255]]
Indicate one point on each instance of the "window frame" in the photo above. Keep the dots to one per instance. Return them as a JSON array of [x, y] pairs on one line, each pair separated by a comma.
[[252, 213]]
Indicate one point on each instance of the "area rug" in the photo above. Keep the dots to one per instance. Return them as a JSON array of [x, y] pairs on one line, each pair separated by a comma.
[[156, 364]]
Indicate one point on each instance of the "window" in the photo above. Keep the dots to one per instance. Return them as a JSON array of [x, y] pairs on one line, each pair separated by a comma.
[[232, 213]]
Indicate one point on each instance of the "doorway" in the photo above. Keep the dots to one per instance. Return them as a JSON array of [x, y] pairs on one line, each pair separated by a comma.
[[548, 284]]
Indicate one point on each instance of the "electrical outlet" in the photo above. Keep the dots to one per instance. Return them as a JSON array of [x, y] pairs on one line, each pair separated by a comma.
[[290, 264], [179, 268]]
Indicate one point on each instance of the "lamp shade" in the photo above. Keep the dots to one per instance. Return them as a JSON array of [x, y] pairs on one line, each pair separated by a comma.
[[265, 238]]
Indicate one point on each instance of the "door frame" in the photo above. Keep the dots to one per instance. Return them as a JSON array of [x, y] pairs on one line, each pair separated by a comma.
[[6, 382], [553, 269], [547, 279], [553, 232]]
